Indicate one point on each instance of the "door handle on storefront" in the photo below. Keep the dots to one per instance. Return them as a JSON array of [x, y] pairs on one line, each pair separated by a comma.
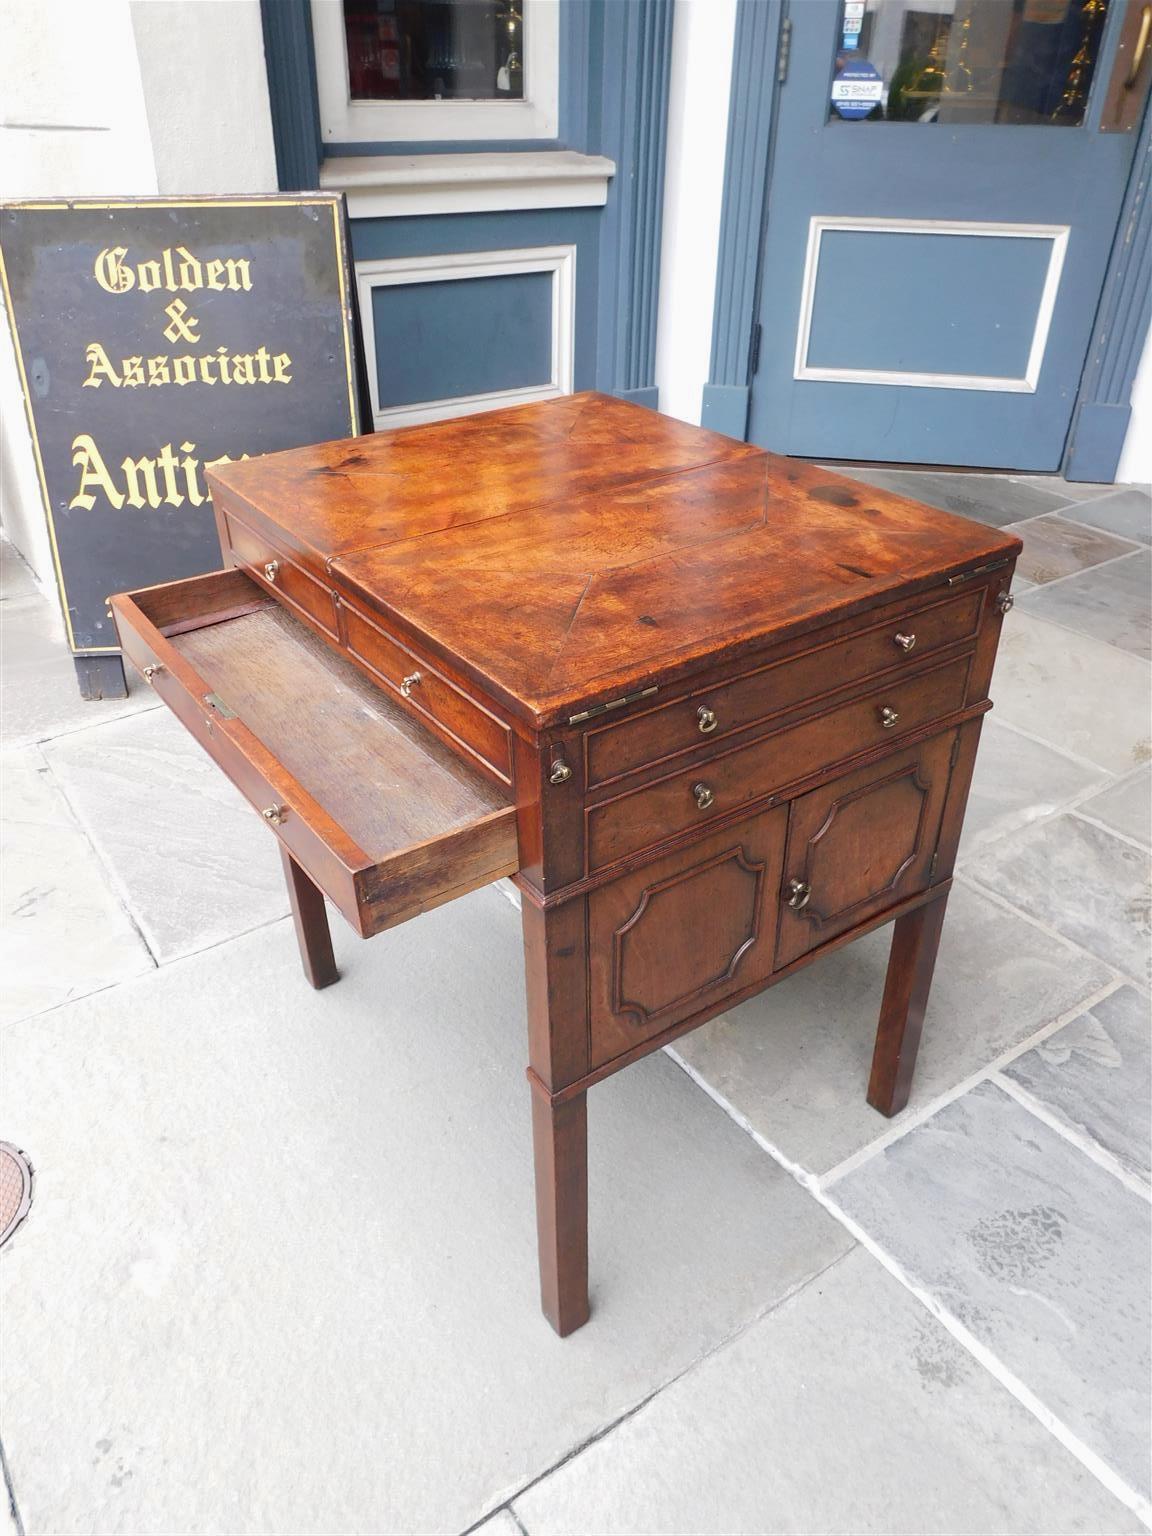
[[1140, 49]]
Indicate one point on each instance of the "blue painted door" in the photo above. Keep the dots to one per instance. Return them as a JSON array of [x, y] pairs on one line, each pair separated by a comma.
[[940, 213]]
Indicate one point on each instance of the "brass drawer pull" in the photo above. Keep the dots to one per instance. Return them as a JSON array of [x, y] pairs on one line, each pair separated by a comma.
[[271, 569], [151, 670], [888, 717], [408, 684], [1005, 602], [801, 893], [275, 814], [704, 796], [561, 772], [905, 642], [706, 719]]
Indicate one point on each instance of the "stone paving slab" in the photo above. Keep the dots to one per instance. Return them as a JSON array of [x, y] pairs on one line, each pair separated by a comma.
[[193, 860], [1081, 880], [987, 498], [1041, 1254], [795, 1060], [1126, 511], [1055, 547], [1081, 695], [62, 931], [1111, 603], [847, 1409], [1125, 807], [1095, 1076], [280, 1271], [38, 678], [1018, 781]]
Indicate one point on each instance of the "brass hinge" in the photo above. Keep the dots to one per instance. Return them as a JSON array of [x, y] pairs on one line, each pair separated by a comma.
[[602, 709], [980, 570], [955, 752], [932, 866]]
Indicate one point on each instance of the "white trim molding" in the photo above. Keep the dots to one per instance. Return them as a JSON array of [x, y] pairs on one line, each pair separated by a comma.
[[559, 260], [1056, 234], [401, 186], [345, 121]]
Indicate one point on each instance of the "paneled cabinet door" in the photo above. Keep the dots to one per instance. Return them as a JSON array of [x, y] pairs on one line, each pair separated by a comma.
[[860, 844], [678, 935]]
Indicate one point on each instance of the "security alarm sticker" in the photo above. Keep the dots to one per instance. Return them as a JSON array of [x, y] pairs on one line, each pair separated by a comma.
[[857, 90]]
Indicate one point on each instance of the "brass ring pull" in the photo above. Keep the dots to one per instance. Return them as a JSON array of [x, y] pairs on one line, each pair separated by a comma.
[[704, 796], [151, 670], [888, 717], [271, 569], [560, 773], [706, 719], [1140, 49], [275, 814], [409, 683], [905, 642], [801, 894]]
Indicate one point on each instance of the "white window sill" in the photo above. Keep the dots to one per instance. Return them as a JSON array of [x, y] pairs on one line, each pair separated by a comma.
[[400, 186]]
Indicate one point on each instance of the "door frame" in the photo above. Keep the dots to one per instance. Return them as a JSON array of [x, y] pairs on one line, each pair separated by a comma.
[[1102, 411]]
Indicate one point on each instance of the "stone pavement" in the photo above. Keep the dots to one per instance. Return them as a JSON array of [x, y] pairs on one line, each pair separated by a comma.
[[279, 1271]]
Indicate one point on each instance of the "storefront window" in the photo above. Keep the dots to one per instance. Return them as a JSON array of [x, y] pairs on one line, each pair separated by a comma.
[[966, 61], [434, 50]]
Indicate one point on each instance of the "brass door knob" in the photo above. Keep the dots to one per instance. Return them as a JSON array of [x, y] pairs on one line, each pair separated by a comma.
[[560, 773], [800, 893], [275, 814], [706, 719], [271, 569], [888, 717], [409, 683], [704, 796], [905, 642]]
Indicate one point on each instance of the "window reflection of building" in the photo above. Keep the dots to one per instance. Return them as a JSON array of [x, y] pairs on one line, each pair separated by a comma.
[[434, 50]]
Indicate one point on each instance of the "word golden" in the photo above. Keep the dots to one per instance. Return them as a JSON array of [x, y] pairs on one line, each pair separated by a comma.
[[176, 270], [218, 367], [168, 480]]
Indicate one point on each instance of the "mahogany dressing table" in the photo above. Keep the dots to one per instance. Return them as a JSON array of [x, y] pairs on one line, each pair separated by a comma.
[[715, 711]]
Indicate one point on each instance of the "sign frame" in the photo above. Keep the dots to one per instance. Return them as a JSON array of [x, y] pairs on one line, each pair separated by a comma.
[[354, 377]]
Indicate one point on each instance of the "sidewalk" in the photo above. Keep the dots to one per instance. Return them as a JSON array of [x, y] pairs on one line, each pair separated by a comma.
[[279, 1271]]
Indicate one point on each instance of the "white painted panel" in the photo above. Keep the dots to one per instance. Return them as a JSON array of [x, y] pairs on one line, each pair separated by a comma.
[[1055, 234]]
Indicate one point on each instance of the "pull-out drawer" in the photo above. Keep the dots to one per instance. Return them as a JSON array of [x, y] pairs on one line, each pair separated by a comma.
[[262, 559], [899, 641], [643, 817], [382, 816]]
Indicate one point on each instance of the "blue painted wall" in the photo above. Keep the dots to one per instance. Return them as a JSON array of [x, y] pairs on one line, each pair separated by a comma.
[[465, 336]]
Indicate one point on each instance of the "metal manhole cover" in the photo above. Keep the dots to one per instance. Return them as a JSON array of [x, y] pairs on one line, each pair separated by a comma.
[[15, 1189]]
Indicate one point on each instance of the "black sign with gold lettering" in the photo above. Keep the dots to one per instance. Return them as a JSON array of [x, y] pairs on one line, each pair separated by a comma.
[[155, 338]]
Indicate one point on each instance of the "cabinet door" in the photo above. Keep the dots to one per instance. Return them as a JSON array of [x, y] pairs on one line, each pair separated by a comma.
[[678, 935], [860, 844]]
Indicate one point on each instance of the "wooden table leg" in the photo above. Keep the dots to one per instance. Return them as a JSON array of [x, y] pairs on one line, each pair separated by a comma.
[[311, 920], [915, 940], [560, 1138]]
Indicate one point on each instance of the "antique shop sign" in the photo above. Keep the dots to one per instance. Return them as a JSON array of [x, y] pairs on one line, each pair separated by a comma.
[[156, 338]]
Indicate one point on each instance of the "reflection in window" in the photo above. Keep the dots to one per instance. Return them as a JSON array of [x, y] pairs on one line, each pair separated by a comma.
[[435, 50], [966, 61]]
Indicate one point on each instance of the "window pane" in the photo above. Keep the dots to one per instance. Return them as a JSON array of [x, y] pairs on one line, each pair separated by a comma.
[[435, 50], [966, 61]]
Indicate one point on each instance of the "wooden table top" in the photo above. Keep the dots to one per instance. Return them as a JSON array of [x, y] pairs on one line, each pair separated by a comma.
[[568, 552]]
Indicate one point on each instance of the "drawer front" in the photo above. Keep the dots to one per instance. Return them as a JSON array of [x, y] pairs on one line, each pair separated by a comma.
[[273, 569], [678, 936], [682, 801], [427, 691], [861, 844], [381, 816], [710, 715]]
